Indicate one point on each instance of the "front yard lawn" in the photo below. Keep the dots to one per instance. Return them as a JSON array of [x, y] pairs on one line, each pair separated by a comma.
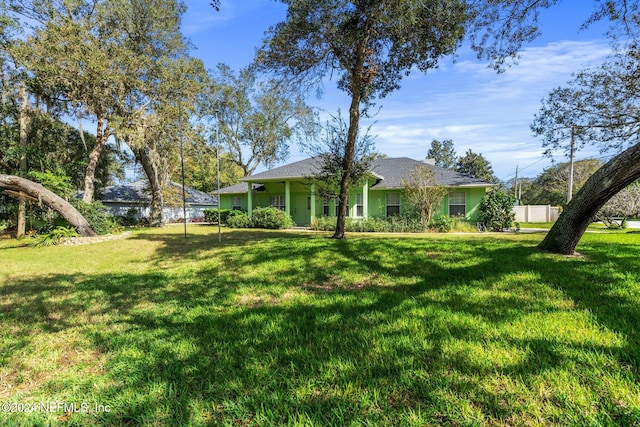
[[286, 328]]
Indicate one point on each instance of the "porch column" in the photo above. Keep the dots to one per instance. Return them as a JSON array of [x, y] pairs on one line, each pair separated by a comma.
[[365, 199], [287, 197], [313, 201], [249, 199]]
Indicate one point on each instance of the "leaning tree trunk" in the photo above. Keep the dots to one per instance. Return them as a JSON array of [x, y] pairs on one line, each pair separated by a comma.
[[49, 198], [605, 183]]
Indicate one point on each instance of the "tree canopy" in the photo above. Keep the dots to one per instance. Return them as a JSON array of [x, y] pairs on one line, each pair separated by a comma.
[[258, 118], [443, 153], [476, 166]]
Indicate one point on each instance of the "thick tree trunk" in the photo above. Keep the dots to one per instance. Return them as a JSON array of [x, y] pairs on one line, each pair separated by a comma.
[[157, 198], [90, 173], [605, 183], [49, 198]]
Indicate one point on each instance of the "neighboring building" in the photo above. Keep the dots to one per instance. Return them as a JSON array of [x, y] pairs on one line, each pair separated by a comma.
[[121, 198], [292, 188]]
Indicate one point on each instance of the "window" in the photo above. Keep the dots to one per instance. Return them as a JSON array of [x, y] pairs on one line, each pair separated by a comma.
[[457, 203], [359, 206], [236, 204], [393, 204], [277, 202], [326, 207]]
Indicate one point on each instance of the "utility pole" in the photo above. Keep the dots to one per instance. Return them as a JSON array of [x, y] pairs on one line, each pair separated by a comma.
[[515, 188], [184, 196], [218, 170], [573, 146]]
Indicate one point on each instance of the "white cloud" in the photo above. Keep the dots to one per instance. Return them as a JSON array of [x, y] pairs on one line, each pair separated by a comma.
[[480, 110]]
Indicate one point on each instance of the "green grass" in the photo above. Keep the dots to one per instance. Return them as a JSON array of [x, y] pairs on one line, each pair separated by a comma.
[[284, 328]]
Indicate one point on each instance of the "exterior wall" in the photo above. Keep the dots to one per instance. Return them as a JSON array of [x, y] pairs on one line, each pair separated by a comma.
[[170, 213], [473, 196], [376, 202]]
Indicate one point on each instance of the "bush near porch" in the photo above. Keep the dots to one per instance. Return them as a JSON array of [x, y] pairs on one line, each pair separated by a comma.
[[267, 218]]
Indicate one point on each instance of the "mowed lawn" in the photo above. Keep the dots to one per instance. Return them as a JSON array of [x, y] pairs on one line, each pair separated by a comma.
[[293, 328]]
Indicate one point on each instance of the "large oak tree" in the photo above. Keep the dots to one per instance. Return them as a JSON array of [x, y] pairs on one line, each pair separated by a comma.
[[598, 107]]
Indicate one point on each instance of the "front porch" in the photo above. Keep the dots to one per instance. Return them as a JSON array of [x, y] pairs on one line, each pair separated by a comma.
[[300, 200]]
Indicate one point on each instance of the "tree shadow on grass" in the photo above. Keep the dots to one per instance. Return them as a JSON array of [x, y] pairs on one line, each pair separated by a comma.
[[181, 351]]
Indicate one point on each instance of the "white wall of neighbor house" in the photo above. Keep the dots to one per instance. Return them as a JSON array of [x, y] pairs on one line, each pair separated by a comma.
[[173, 213], [536, 213]]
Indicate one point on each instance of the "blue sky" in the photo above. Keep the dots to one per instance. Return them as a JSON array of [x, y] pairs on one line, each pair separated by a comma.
[[462, 100]]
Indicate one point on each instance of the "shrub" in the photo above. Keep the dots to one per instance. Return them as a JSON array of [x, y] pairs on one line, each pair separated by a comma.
[[98, 216], [55, 236], [323, 223], [211, 215], [239, 221], [496, 210], [443, 224], [271, 218], [129, 219], [394, 224]]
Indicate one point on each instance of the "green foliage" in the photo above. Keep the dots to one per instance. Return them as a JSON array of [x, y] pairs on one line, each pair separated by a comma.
[[330, 151], [98, 216], [57, 181], [476, 166], [257, 117], [240, 220], [443, 224], [393, 224], [271, 218], [211, 215], [129, 219], [55, 236], [496, 210], [551, 186], [443, 153]]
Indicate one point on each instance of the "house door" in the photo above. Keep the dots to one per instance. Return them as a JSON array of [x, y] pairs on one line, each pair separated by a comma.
[[301, 209]]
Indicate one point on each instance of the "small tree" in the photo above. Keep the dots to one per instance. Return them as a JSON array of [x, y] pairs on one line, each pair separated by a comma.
[[422, 192], [626, 203], [496, 210]]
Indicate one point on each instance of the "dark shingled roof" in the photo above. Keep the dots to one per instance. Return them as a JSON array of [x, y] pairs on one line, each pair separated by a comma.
[[240, 188], [395, 170], [389, 173], [138, 192], [302, 169]]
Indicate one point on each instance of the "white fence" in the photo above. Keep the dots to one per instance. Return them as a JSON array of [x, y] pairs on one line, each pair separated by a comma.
[[536, 213]]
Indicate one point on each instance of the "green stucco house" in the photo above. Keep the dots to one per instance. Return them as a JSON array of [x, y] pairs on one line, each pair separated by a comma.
[[292, 188]]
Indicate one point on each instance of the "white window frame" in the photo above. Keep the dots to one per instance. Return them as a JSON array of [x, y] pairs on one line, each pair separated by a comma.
[[394, 202], [236, 203], [454, 202], [359, 206], [278, 201]]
